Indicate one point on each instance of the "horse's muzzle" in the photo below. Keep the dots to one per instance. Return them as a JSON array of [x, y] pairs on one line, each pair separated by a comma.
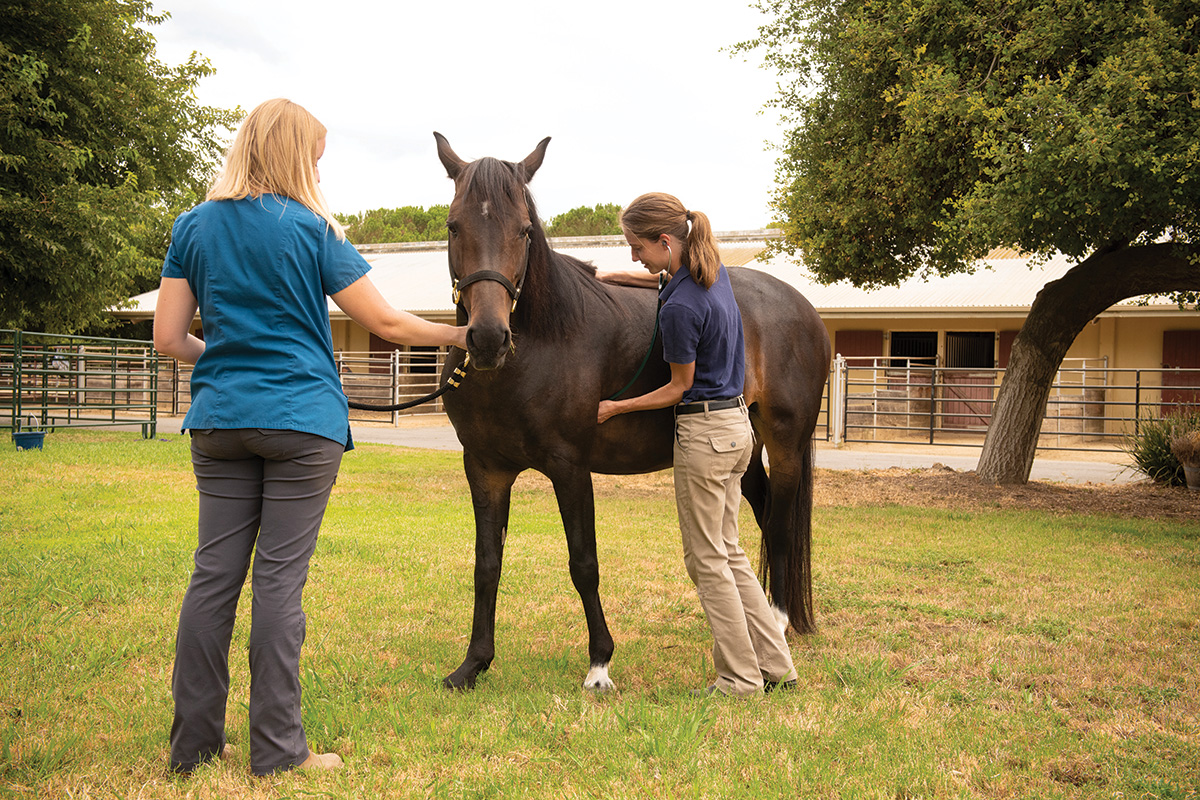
[[488, 345]]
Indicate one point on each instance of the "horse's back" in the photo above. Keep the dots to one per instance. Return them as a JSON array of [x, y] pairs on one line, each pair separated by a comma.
[[787, 348]]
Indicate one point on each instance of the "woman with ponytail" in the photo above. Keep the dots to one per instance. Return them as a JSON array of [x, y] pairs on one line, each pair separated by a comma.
[[268, 420], [704, 348]]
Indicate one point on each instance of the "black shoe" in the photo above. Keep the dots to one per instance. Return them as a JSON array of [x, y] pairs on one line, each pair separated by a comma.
[[707, 691], [770, 686]]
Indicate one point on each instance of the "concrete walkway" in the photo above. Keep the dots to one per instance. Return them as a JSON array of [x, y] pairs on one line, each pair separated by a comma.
[[434, 432], [1059, 467]]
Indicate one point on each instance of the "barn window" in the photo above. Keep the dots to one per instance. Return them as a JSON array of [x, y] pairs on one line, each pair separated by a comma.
[[914, 349], [970, 350]]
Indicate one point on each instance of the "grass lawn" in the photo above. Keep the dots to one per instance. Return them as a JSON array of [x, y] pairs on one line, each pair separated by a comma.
[[981, 654]]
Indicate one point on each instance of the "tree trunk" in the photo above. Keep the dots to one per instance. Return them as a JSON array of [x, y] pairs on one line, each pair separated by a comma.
[[1060, 311]]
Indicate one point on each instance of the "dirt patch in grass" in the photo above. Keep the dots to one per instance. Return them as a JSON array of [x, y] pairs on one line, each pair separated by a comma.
[[943, 487]]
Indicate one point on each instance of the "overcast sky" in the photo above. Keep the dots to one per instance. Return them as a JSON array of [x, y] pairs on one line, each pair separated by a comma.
[[637, 95]]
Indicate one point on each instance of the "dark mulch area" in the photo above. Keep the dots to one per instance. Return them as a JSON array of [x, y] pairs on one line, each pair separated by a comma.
[[943, 487]]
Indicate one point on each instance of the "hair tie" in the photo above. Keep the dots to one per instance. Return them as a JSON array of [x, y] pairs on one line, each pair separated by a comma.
[[688, 214]]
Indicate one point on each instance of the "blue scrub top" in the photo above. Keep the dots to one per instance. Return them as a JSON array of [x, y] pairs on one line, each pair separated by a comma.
[[260, 269], [704, 326]]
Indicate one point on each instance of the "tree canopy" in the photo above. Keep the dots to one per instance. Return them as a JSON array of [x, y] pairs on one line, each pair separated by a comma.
[[101, 145], [417, 224], [923, 133], [599, 220], [404, 224]]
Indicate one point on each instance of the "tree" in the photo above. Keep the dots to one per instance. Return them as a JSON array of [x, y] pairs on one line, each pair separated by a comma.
[[600, 220], [404, 224], [101, 145], [923, 133]]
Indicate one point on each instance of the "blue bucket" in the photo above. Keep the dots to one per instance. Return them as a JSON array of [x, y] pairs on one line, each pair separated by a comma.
[[29, 440]]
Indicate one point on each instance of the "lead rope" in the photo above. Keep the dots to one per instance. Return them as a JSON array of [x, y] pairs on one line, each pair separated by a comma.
[[451, 383], [662, 282]]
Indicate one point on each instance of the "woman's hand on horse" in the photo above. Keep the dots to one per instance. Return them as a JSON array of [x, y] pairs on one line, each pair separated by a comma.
[[643, 280], [608, 410]]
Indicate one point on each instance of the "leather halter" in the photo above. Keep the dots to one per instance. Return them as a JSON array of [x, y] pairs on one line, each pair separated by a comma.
[[491, 275]]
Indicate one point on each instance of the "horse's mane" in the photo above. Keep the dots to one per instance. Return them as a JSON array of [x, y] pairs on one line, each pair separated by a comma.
[[558, 288]]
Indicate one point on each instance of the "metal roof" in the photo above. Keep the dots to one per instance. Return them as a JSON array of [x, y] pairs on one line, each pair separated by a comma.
[[997, 284], [415, 277]]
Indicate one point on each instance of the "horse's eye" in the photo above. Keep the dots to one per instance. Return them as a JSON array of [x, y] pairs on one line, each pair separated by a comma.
[[453, 228]]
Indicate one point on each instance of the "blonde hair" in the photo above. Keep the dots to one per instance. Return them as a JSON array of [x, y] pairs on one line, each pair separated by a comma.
[[275, 152], [651, 215]]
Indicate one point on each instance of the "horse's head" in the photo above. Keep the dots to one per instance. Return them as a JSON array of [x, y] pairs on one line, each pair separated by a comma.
[[490, 223]]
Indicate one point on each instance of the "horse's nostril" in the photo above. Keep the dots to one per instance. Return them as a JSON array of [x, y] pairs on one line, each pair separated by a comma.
[[488, 340]]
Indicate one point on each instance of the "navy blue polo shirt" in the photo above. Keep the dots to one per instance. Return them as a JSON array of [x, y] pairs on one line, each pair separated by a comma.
[[704, 326], [261, 269]]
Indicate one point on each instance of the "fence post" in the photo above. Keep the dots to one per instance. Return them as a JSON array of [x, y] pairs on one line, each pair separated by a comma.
[[395, 370], [152, 354], [16, 421], [933, 384], [837, 401], [1137, 401]]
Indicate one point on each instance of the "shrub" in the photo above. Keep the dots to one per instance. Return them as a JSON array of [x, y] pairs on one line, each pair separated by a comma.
[[1149, 447], [1186, 446]]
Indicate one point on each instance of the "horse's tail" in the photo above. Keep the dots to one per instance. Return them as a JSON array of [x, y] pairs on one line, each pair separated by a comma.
[[798, 580], [787, 542]]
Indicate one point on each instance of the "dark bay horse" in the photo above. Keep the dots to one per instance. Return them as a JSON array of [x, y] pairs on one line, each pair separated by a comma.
[[548, 341]]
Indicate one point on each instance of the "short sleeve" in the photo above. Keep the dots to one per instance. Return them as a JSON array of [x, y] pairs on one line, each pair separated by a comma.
[[681, 330], [172, 265], [341, 264]]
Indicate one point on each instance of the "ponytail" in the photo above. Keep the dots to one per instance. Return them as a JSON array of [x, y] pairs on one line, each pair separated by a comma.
[[701, 255], [651, 215]]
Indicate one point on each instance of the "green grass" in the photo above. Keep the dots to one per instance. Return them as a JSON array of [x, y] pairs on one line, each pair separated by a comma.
[[960, 655]]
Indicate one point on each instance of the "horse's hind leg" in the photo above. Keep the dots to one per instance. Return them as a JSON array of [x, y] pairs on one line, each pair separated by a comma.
[[756, 488], [782, 504], [576, 504], [787, 537], [491, 492]]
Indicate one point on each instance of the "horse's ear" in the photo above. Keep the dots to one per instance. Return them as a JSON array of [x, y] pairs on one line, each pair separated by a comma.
[[450, 159], [534, 160]]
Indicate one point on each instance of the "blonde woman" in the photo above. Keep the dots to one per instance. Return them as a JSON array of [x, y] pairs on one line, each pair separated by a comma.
[[704, 348], [268, 420]]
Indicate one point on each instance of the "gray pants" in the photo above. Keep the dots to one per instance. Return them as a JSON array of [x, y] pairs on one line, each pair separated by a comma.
[[262, 492]]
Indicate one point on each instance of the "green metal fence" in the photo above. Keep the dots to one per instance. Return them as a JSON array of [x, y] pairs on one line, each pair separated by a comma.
[[50, 381]]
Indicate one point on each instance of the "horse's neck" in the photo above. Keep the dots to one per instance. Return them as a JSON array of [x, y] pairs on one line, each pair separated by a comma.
[[559, 297]]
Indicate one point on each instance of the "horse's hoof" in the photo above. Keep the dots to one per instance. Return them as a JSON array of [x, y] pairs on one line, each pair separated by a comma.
[[455, 683], [781, 619], [597, 680]]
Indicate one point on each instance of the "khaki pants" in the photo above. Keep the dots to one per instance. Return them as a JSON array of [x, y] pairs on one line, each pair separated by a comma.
[[712, 451]]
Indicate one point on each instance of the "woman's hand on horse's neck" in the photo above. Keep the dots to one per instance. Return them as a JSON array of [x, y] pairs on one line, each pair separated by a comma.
[[639, 278]]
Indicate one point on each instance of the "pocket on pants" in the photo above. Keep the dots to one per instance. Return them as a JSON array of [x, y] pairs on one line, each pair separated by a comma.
[[729, 449], [727, 442]]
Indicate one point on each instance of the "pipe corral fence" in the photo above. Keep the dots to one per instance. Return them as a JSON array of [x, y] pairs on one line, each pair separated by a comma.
[[1091, 406], [50, 381]]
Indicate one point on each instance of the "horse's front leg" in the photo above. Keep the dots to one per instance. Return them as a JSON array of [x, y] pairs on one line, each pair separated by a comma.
[[576, 504], [491, 493]]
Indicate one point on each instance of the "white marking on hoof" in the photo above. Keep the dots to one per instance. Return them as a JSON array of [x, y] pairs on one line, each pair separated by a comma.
[[781, 618], [597, 679]]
